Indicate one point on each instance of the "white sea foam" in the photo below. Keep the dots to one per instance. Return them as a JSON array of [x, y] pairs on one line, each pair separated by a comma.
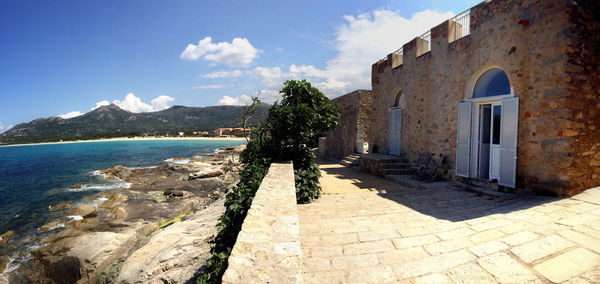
[[177, 161], [101, 187], [75, 217], [101, 199], [98, 173]]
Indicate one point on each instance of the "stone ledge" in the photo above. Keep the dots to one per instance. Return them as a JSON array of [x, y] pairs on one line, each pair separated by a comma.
[[267, 249]]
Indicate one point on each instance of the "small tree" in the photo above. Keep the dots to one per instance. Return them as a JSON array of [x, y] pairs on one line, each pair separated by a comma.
[[292, 127]]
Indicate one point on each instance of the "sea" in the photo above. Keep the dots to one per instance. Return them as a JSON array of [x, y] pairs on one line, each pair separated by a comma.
[[34, 177]]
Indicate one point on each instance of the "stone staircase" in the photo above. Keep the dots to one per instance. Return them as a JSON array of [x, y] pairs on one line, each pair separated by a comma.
[[385, 165], [351, 160]]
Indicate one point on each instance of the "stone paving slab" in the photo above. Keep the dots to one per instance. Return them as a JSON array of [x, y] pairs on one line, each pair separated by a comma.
[[365, 229]]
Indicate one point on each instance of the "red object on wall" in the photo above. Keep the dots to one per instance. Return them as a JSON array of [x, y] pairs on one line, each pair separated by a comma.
[[560, 133], [523, 22]]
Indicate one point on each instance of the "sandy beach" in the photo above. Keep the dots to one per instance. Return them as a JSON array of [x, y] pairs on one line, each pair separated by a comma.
[[132, 139]]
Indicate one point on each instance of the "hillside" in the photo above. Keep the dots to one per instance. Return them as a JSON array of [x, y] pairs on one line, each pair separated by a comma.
[[111, 121]]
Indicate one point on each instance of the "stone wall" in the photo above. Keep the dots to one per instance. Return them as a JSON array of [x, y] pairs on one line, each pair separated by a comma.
[[356, 107], [542, 47], [267, 249]]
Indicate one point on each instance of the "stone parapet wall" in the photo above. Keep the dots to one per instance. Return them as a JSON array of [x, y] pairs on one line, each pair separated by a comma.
[[267, 249], [549, 52]]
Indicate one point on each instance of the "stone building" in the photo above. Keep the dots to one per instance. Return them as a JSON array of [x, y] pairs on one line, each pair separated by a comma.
[[509, 91], [352, 134]]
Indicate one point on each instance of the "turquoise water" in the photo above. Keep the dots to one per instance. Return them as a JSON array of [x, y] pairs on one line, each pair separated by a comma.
[[37, 176]]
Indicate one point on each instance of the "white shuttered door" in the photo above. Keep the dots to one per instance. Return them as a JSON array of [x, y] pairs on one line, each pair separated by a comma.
[[508, 142], [395, 131], [463, 139]]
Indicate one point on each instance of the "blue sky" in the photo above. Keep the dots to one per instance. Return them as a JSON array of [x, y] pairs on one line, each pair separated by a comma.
[[66, 57]]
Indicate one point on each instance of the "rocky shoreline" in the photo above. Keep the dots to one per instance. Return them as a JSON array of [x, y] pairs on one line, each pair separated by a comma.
[[157, 229]]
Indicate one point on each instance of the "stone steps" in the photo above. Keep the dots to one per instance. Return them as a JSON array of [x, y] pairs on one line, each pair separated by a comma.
[[351, 160], [397, 171], [395, 165]]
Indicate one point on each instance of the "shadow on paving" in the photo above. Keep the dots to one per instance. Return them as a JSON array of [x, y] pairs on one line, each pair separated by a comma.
[[440, 202]]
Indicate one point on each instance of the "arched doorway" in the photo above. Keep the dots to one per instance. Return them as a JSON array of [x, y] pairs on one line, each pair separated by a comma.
[[487, 129], [395, 135]]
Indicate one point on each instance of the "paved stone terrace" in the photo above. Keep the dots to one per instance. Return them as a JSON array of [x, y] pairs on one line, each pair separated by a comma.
[[366, 229]]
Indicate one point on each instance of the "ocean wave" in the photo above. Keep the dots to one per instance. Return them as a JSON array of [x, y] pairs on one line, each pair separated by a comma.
[[98, 173], [177, 161], [101, 187], [75, 217]]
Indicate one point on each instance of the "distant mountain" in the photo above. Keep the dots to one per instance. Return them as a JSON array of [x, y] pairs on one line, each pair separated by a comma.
[[111, 121]]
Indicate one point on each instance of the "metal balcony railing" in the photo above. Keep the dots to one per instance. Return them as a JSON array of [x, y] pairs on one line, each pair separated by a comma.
[[460, 25]]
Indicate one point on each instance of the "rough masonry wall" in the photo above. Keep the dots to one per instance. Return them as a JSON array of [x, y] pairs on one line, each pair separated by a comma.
[[356, 107], [531, 41], [583, 70]]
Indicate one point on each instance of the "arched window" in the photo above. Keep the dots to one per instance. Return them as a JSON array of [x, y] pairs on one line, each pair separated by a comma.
[[398, 100], [493, 82]]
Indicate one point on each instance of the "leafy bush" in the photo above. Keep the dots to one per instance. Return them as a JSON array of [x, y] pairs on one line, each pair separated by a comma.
[[292, 127]]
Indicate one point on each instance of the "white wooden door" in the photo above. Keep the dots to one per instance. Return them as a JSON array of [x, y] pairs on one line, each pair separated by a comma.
[[496, 124], [463, 139], [395, 131], [508, 142]]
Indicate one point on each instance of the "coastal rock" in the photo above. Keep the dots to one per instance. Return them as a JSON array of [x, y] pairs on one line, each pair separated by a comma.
[[76, 186], [175, 253], [206, 173], [119, 172], [50, 226], [85, 211], [173, 193], [74, 257], [3, 263], [4, 238], [60, 206]]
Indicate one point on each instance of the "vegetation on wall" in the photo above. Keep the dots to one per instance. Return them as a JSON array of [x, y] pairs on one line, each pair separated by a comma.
[[292, 127]]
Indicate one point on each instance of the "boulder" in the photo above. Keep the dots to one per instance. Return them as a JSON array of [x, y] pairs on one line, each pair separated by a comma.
[[60, 206], [206, 173], [4, 238], [85, 211], [3, 263], [72, 257], [175, 253], [76, 186], [119, 172], [49, 226], [174, 193]]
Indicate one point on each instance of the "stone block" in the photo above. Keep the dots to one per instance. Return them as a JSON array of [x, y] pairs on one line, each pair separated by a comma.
[[506, 269], [469, 273], [432, 264], [368, 247], [519, 238], [584, 240], [349, 262], [402, 243], [529, 252], [488, 248], [376, 274], [402, 256], [447, 246], [568, 265]]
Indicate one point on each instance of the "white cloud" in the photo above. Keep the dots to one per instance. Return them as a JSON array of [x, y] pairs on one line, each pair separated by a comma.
[[279, 49], [360, 41], [133, 104], [161, 102], [238, 53], [228, 101], [223, 74], [213, 86], [101, 103], [71, 114], [1, 127]]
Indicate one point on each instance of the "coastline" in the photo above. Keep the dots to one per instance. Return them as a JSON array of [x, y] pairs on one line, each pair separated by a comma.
[[131, 139], [136, 217]]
